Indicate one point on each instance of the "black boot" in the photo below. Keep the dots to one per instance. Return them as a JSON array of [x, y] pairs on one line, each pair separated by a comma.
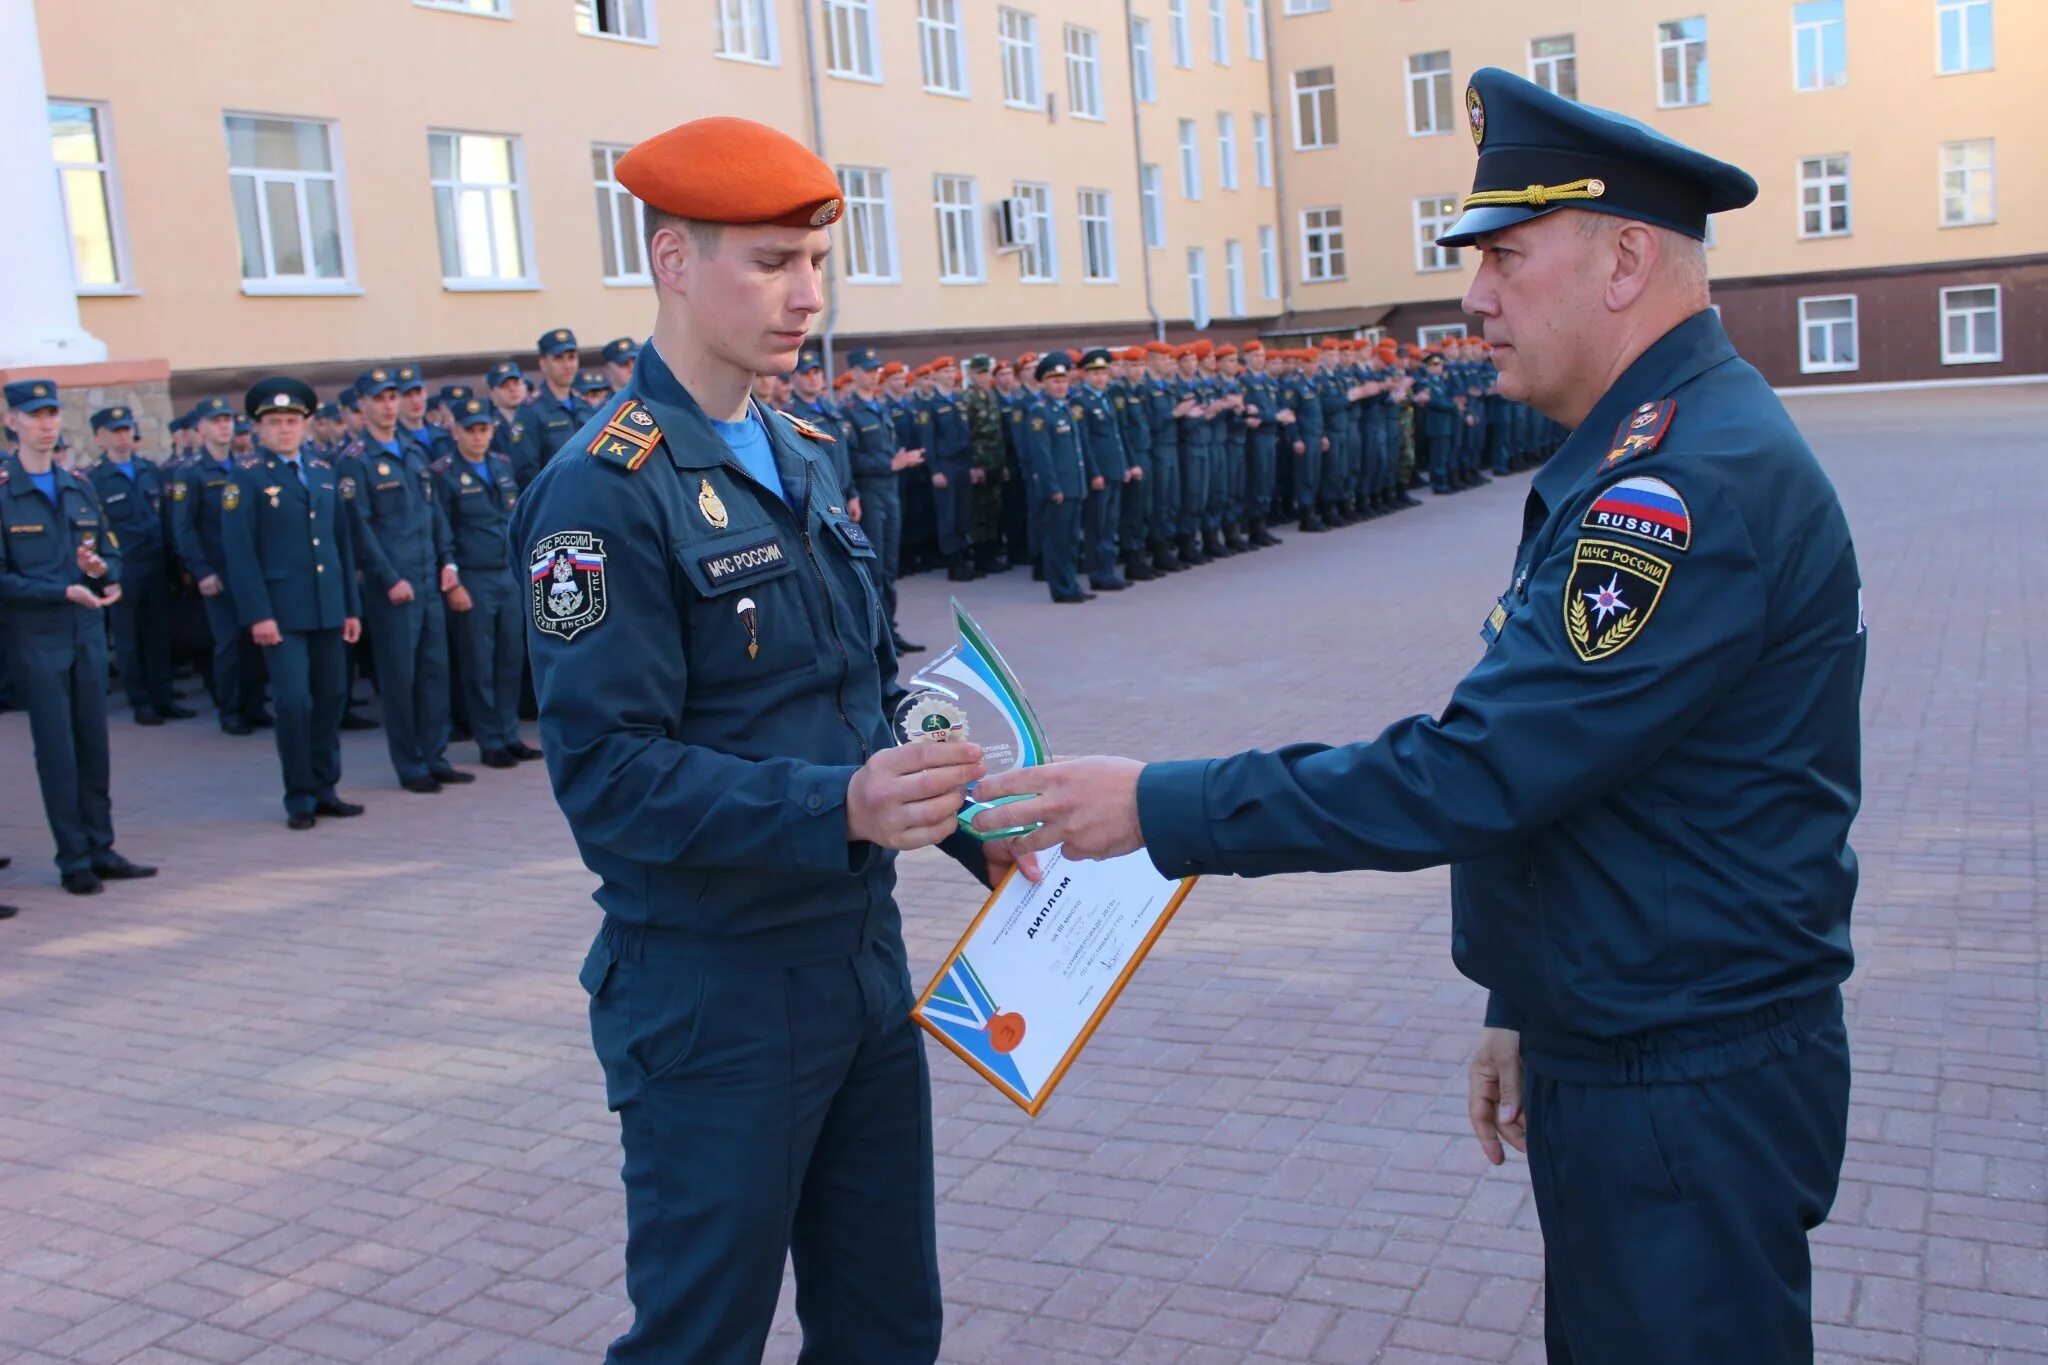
[[1138, 569], [960, 569], [1310, 521], [1236, 539], [1191, 550], [1166, 558], [1261, 537]]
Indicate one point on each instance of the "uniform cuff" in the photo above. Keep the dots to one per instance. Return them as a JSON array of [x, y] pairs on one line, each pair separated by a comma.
[[818, 836], [1500, 1014], [1173, 817]]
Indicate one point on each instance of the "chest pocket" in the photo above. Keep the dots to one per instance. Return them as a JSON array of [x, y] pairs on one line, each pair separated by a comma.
[[749, 623]]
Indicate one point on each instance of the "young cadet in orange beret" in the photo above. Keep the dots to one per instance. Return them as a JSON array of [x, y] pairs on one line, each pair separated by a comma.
[[715, 684]]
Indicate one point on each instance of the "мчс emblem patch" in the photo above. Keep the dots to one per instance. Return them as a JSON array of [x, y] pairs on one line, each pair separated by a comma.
[[567, 581], [1647, 508], [1610, 596]]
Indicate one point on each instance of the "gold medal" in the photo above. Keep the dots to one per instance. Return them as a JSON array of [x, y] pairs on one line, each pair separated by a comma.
[[711, 505]]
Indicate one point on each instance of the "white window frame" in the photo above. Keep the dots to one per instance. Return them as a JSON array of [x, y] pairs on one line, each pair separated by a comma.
[[1233, 278], [1262, 150], [1219, 33], [275, 284], [1152, 203], [1023, 72], [868, 227], [1439, 333], [1330, 263], [1144, 62], [583, 10], [1807, 365], [1997, 314], [1432, 215], [1963, 9], [620, 202], [1190, 144], [942, 43], [1688, 97], [858, 29], [1226, 150], [1970, 173], [1435, 86], [1255, 30], [747, 31], [494, 9], [956, 213], [1290, 8], [1550, 64], [522, 205], [1097, 216], [1179, 35], [1038, 263], [1325, 137], [1818, 28], [1269, 262], [1082, 48], [1198, 288], [1825, 181], [106, 168]]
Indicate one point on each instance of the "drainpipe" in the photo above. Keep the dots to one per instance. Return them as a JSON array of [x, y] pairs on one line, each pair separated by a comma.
[[1138, 150], [1280, 250], [818, 146]]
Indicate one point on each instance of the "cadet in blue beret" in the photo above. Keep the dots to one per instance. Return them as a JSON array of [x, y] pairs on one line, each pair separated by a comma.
[[618, 361], [135, 498], [551, 416], [60, 566], [1645, 785], [715, 700]]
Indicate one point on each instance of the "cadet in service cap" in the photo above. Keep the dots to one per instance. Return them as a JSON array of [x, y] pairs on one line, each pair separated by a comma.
[[502, 371], [592, 381], [621, 350], [981, 363], [809, 359], [32, 395], [472, 412], [554, 343], [1055, 362], [330, 411], [1096, 359], [370, 383], [210, 407], [280, 393], [112, 419], [732, 170], [865, 358], [1539, 153], [409, 378]]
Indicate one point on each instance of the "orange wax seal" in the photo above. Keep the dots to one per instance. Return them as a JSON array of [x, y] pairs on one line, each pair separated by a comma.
[[1006, 1031]]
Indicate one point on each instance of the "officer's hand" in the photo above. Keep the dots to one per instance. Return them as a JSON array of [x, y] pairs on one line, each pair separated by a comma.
[[351, 630], [1058, 498], [853, 508], [1002, 857], [89, 563], [450, 578], [266, 633], [1134, 474], [977, 476], [458, 598], [111, 595], [1493, 1093], [1301, 447], [78, 595], [1326, 443], [1089, 805], [210, 586], [907, 797], [939, 481], [400, 593], [1098, 483]]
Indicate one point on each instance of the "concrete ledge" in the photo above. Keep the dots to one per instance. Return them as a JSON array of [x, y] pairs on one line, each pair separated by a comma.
[[105, 374]]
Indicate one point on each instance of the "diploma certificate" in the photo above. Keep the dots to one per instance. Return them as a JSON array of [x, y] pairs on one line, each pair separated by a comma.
[[1023, 990]]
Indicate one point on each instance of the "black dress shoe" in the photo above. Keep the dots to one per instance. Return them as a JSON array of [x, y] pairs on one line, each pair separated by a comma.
[[6, 912], [177, 712], [148, 715], [262, 720], [83, 883], [337, 808], [1313, 524], [299, 821], [1109, 585], [235, 727], [904, 646], [6, 862], [498, 758], [452, 777], [351, 720], [425, 786], [1071, 598], [115, 868], [523, 752]]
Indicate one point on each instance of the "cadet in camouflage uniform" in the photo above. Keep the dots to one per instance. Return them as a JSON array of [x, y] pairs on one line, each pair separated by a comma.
[[988, 464]]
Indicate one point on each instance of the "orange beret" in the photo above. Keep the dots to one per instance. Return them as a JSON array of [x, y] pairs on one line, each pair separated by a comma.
[[1225, 350], [732, 170], [1329, 343], [845, 378], [1027, 360], [1162, 348], [1204, 348], [893, 367], [1073, 356], [944, 362], [1254, 345]]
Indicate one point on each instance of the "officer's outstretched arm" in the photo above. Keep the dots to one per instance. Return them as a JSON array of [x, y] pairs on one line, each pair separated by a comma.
[[1619, 650]]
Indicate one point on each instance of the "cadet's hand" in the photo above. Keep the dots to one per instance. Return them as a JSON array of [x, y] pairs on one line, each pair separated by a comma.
[[89, 563], [78, 595], [1493, 1093], [351, 630], [907, 797], [1301, 447], [977, 476], [1326, 443], [458, 598], [400, 593], [210, 586], [853, 508], [1134, 474], [111, 595], [939, 481], [1090, 805], [1098, 483], [1002, 857], [1058, 498], [450, 578], [266, 633]]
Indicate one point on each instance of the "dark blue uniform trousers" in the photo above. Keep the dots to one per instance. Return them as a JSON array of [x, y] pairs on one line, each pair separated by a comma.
[[1059, 529], [60, 677], [309, 684], [953, 506], [1675, 1210], [490, 642], [881, 517], [768, 1112], [1101, 516], [142, 637], [409, 644], [237, 666], [1165, 474]]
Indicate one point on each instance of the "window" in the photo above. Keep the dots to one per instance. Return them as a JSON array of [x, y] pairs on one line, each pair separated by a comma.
[[941, 46], [1969, 325], [1144, 71], [85, 183], [1177, 30], [621, 220], [1964, 27], [1554, 65], [498, 8], [746, 31], [1269, 262], [1255, 29], [1820, 53], [1023, 85], [1429, 93], [1439, 334], [480, 212], [288, 208], [958, 204], [1262, 150], [1219, 34], [1968, 183], [1226, 151], [632, 20], [1233, 278], [1681, 63], [1084, 73], [850, 48], [1098, 238], [1040, 259], [870, 233], [1434, 214], [1190, 161], [1152, 204], [1315, 108], [1198, 286], [1322, 244], [1827, 329], [1293, 7], [1824, 196]]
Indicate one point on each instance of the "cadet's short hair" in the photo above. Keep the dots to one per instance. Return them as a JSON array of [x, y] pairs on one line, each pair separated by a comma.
[[704, 236]]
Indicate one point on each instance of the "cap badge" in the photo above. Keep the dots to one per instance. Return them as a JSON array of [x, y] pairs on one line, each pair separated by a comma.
[[711, 505], [282, 400], [826, 214], [1475, 110], [42, 391]]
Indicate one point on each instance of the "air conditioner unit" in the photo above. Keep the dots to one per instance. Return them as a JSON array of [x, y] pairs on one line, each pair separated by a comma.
[[1016, 229]]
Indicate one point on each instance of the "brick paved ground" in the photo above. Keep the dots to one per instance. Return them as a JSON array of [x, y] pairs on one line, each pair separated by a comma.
[[330, 1096]]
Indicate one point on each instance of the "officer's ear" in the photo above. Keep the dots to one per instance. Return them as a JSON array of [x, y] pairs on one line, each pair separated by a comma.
[[1633, 251]]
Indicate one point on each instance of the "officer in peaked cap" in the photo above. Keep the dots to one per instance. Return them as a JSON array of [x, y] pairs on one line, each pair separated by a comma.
[[619, 354], [1646, 783], [552, 416], [1055, 462], [135, 498], [715, 701]]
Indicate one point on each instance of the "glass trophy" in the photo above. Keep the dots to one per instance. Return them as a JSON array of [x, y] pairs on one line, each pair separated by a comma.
[[969, 693]]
